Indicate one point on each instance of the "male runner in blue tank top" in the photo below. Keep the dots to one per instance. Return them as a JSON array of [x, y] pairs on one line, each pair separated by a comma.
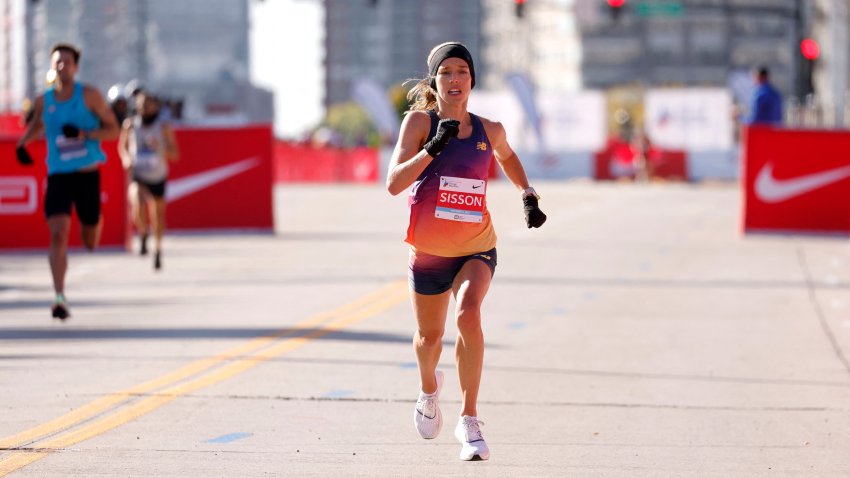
[[74, 119]]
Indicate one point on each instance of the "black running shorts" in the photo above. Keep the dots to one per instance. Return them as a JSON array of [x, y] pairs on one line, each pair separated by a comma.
[[432, 275], [157, 189], [82, 189]]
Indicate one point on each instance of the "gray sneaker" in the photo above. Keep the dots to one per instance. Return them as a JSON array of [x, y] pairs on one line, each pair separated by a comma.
[[468, 432], [427, 416]]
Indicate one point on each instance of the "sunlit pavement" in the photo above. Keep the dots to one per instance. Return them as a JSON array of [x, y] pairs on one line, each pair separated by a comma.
[[636, 334]]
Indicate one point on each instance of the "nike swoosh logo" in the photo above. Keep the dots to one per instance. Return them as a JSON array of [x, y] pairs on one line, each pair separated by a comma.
[[181, 187], [772, 190]]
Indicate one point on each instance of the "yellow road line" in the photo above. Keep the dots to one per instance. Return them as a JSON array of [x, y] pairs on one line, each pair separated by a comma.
[[104, 403], [360, 309]]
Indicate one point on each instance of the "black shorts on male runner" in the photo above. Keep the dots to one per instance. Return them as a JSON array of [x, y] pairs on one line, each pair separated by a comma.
[[80, 189], [157, 189], [432, 275]]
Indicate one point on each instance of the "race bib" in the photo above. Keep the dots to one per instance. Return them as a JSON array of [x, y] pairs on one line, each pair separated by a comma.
[[461, 199], [70, 148], [145, 161]]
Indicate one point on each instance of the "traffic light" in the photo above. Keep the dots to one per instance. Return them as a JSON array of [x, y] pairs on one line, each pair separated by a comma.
[[615, 7], [519, 8], [811, 51]]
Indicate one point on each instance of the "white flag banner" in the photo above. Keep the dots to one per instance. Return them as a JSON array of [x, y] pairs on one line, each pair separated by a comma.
[[372, 98], [522, 87]]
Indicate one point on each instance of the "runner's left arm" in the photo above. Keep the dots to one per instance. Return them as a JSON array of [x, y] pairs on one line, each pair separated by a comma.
[[511, 165], [108, 123], [172, 153], [505, 156]]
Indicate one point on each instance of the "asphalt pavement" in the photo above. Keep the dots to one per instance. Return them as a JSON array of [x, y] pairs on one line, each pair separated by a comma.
[[637, 333]]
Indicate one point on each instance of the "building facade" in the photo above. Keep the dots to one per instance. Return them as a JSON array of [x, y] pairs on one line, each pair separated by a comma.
[[689, 42], [543, 43], [389, 40], [830, 27], [195, 50]]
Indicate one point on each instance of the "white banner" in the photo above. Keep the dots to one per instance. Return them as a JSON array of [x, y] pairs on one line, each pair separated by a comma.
[[694, 119], [570, 122]]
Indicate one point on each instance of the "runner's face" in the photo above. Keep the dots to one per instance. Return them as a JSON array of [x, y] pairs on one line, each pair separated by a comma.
[[62, 62], [453, 79], [148, 105]]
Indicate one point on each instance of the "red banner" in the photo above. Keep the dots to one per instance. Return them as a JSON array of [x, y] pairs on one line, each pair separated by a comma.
[[795, 181], [22, 190], [305, 163], [223, 179], [616, 161]]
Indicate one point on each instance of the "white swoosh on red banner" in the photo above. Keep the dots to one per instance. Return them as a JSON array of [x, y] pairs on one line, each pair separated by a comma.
[[772, 190], [181, 187]]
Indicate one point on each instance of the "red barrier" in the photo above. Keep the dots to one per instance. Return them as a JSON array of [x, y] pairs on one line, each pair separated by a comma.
[[795, 181], [11, 124], [615, 161], [305, 163], [223, 179], [22, 199]]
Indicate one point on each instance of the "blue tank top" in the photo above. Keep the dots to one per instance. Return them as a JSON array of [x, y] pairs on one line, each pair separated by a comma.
[[68, 155]]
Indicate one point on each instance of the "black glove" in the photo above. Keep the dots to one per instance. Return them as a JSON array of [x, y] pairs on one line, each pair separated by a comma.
[[446, 130], [70, 131], [23, 156], [534, 217]]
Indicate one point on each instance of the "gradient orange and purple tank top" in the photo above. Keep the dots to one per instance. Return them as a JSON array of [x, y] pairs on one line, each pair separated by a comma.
[[448, 206]]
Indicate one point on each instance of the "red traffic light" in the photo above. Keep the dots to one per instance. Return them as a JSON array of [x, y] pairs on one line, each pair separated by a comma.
[[810, 49], [616, 3], [519, 6]]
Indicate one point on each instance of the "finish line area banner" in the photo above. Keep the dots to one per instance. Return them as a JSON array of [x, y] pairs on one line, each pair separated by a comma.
[[795, 181], [223, 180]]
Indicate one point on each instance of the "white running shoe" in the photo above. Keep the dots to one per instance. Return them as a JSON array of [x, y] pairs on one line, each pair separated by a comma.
[[427, 416], [468, 432]]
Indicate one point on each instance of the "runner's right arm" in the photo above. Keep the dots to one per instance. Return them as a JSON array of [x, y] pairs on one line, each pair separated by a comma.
[[409, 159], [124, 143], [35, 128]]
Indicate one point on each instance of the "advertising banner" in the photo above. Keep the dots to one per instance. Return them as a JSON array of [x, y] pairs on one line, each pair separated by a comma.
[[303, 163], [693, 119], [223, 179], [795, 180], [22, 222]]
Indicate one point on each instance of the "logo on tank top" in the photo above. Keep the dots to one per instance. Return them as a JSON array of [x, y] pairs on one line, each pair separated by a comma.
[[461, 199], [481, 145]]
